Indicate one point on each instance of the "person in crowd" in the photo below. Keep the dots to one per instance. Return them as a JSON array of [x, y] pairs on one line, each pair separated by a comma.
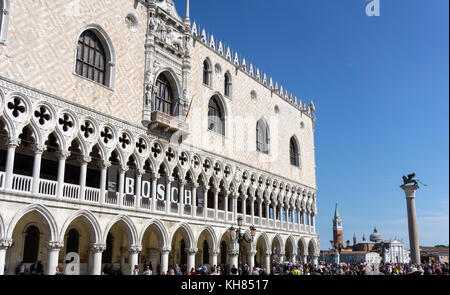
[[147, 271]]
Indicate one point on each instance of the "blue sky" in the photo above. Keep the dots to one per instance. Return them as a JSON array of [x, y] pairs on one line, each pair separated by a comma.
[[380, 86]]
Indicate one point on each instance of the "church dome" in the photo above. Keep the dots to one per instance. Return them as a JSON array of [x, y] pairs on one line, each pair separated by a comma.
[[376, 237]]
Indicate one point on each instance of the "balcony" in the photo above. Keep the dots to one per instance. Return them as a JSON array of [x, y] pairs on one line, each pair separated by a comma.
[[48, 189], [167, 124]]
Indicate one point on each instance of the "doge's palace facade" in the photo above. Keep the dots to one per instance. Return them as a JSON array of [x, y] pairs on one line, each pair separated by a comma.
[[129, 135]]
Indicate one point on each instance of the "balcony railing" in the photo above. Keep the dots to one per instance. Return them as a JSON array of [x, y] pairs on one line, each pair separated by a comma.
[[49, 188]]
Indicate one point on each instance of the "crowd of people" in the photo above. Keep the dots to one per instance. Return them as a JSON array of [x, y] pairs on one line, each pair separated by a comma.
[[287, 268], [326, 269]]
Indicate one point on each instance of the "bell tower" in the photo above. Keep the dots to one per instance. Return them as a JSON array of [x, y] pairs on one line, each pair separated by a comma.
[[338, 237]]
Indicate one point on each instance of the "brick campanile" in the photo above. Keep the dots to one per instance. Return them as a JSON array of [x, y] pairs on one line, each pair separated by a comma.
[[338, 236]]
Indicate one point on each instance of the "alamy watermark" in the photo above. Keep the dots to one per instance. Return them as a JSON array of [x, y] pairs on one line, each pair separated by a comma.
[[373, 8]]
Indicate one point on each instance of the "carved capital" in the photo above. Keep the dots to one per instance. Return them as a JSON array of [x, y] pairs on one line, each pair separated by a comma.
[[63, 155], [170, 179], [14, 143], [39, 148], [183, 182], [135, 249], [215, 252], [123, 169], [5, 11], [97, 248], [140, 172], [5, 244], [268, 253], [106, 164], [155, 176], [85, 159], [54, 245], [165, 249], [191, 251], [234, 252]]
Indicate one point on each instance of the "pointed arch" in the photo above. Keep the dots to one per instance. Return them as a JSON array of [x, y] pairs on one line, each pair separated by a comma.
[[187, 233], [263, 136], [217, 114], [207, 72], [280, 242], [91, 221], [265, 239], [292, 245], [210, 237], [163, 235], [227, 85], [294, 151], [41, 210], [129, 228]]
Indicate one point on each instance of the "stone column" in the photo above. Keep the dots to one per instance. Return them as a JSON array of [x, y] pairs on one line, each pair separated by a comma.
[[216, 202], [155, 177], [38, 151], [260, 208], [165, 259], [226, 206], [268, 263], [205, 201], [235, 196], [139, 174], [9, 167], [252, 208], [267, 212], [191, 258], [4, 245], [251, 255], [194, 200], [83, 174], [53, 256], [244, 207], [181, 198], [410, 193], [122, 170], [62, 157], [134, 257], [169, 181], [305, 259], [96, 255], [234, 256], [214, 254], [103, 175]]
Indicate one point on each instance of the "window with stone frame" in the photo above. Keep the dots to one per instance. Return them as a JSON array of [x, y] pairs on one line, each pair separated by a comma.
[[262, 137], [91, 58], [293, 148], [164, 101], [207, 73], [216, 120]]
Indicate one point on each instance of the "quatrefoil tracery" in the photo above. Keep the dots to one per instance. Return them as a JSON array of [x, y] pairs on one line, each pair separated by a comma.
[[42, 114], [107, 135], [87, 129], [17, 107], [66, 123]]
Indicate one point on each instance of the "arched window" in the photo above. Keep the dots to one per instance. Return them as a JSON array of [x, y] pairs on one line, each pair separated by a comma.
[[205, 252], [73, 241], [262, 137], [227, 86], [91, 58], [164, 101], [294, 153], [206, 73], [4, 18], [31, 248], [216, 120]]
